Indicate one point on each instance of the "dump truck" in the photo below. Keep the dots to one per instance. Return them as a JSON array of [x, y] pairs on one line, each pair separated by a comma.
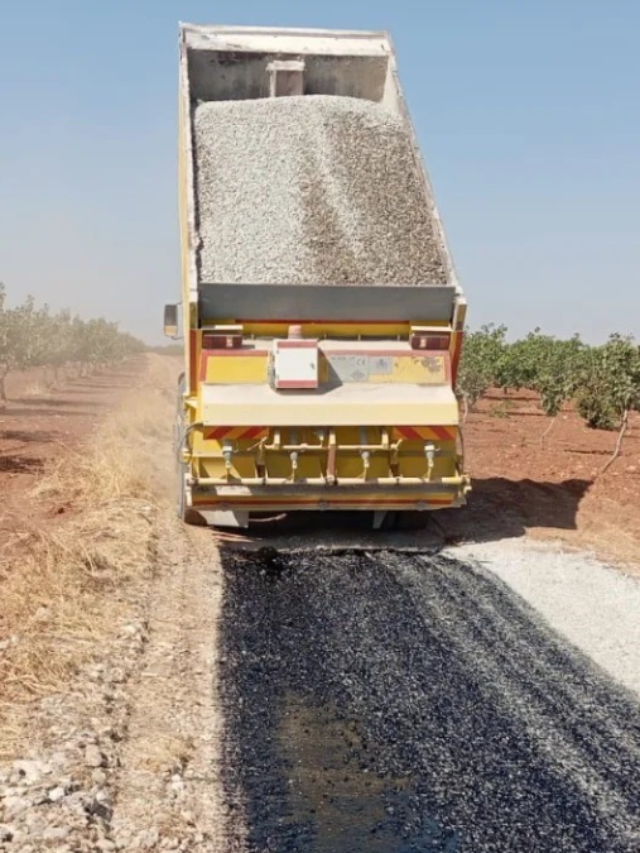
[[321, 313]]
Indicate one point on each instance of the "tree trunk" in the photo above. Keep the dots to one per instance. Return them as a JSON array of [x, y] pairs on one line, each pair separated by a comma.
[[465, 405], [3, 388], [547, 431], [4, 370], [616, 452]]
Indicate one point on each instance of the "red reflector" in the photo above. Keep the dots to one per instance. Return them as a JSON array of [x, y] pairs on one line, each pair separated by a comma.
[[430, 342], [221, 341]]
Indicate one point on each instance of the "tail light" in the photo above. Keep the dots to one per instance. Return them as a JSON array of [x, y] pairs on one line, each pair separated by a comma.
[[430, 338], [222, 337]]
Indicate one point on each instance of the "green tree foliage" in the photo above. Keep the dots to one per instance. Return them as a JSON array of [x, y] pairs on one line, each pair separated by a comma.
[[609, 385], [603, 381], [31, 336], [481, 356], [543, 364]]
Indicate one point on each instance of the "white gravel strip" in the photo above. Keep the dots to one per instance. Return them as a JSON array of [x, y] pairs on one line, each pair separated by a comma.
[[594, 606], [311, 190]]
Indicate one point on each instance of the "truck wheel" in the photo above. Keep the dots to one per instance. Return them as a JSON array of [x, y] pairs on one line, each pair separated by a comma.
[[185, 514]]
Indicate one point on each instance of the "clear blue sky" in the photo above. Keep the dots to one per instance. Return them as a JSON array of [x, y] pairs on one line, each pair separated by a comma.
[[527, 113]]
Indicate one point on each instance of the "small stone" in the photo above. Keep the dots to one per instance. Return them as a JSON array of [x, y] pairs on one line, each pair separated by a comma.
[[76, 801], [56, 794], [148, 840], [59, 759], [6, 832], [31, 771], [93, 757], [106, 845], [13, 806], [56, 833], [35, 823], [118, 676], [36, 828], [99, 777]]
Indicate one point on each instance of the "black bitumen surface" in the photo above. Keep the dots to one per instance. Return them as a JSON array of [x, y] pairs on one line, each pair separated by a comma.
[[404, 704]]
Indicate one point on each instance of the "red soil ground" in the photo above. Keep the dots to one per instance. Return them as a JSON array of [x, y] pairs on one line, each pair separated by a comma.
[[551, 490], [39, 426]]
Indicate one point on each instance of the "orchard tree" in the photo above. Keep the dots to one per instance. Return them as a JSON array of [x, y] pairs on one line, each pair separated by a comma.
[[481, 355], [609, 386], [32, 336]]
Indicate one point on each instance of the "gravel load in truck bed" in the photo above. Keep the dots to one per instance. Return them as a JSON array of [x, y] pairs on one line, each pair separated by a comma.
[[311, 190]]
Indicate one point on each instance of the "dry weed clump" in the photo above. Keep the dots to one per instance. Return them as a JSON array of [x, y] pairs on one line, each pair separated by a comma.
[[64, 588]]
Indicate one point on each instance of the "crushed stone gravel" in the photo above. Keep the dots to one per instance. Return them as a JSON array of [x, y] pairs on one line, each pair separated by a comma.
[[596, 607], [311, 190]]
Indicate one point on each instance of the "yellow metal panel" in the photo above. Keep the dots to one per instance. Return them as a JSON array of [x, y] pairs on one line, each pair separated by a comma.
[[365, 405], [415, 370], [230, 369], [265, 329]]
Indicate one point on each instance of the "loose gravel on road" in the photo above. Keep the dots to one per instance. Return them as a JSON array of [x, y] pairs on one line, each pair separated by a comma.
[[311, 190], [596, 607], [404, 703]]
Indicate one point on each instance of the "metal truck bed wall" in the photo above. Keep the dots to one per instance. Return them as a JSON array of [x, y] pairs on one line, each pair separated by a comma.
[[306, 302], [230, 63]]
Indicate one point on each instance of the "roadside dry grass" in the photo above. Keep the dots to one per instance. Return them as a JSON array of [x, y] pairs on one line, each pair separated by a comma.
[[64, 588]]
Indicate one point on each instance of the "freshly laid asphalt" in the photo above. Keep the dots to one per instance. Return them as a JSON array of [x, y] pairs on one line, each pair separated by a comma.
[[403, 704]]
